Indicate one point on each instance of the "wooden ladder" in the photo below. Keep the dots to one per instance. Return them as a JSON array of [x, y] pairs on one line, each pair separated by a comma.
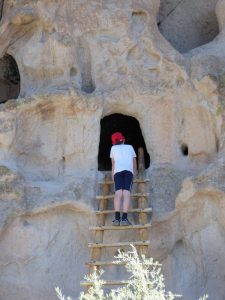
[[143, 227]]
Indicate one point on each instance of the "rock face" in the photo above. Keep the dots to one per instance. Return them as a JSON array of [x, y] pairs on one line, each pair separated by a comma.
[[72, 63]]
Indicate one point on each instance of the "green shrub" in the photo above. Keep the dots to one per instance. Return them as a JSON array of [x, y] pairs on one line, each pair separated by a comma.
[[145, 283]]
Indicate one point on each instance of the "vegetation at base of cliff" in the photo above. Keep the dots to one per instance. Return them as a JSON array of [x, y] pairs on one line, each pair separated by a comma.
[[145, 283], [222, 81], [219, 111], [4, 171]]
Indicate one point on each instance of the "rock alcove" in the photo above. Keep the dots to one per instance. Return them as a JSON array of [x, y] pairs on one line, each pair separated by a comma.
[[188, 24]]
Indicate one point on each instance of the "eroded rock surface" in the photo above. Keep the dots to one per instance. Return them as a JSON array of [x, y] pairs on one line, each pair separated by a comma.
[[79, 61]]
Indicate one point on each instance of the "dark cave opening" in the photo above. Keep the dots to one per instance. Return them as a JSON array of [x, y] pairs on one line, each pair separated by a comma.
[[9, 78], [184, 149], [1, 8], [130, 128]]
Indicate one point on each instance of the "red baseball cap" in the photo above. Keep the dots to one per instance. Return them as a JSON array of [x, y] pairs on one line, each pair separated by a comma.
[[117, 137]]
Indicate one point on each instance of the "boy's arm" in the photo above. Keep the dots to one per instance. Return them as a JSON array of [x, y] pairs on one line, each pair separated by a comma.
[[113, 167], [134, 166]]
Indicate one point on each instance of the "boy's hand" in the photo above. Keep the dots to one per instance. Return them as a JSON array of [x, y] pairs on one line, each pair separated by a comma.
[[134, 166], [112, 177], [113, 167]]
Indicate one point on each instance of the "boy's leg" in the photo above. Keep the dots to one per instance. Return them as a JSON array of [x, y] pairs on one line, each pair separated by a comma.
[[126, 196], [126, 200], [126, 204], [117, 205], [117, 200]]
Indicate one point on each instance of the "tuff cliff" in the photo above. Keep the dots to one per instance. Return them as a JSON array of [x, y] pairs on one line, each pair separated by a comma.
[[65, 66]]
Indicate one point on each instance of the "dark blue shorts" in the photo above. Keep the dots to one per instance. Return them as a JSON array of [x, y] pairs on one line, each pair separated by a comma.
[[123, 180]]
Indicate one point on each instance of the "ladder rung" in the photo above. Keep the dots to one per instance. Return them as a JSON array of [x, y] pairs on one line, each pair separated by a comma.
[[139, 226], [108, 282], [134, 181], [134, 210], [105, 263], [120, 244], [137, 195]]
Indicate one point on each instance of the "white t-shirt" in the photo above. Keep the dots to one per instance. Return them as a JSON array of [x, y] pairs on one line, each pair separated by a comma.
[[123, 156]]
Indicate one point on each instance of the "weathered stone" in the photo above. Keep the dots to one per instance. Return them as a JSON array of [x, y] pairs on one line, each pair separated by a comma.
[[78, 62], [12, 198]]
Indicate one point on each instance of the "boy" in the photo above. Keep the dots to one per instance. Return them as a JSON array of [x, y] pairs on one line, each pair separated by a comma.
[[124, 167]]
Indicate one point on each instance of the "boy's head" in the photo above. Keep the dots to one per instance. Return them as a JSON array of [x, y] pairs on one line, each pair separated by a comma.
[[117, 138]]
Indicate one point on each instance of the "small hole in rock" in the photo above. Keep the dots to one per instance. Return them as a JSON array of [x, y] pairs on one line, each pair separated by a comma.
[[139, 21], [217, 145], [73, 72], [184, 149]]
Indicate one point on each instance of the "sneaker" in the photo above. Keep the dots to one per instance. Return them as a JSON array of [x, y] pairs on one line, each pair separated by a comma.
[[125, 222], [116, 222]]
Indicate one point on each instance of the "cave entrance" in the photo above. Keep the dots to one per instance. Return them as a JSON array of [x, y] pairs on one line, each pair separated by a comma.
[[130, 128], [9, 78]]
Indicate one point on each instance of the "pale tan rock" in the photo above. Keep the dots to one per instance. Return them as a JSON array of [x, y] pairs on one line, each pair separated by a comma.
[[44, 251], [199, 121], [220, 6], [80, 61]]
